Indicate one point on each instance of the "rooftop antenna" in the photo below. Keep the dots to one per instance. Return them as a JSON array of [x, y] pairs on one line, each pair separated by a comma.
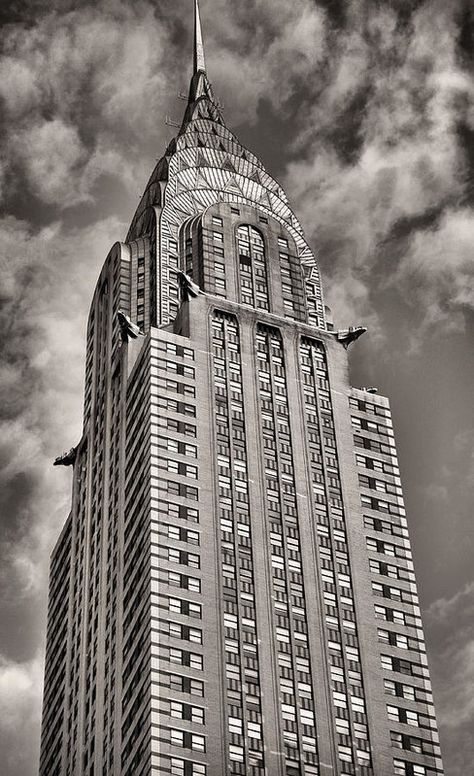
[[199, 63], [171, 123]]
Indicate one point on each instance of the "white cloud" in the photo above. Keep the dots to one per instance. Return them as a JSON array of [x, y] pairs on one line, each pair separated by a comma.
[[439, 269], [52, 153], [18, 85], [457, 704], [349, 300], [20, 710], [444, 608], [20, 692], [51, 275], [287, 44]]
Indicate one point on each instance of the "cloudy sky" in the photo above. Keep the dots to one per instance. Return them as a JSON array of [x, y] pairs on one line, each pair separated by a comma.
[[365, 113]]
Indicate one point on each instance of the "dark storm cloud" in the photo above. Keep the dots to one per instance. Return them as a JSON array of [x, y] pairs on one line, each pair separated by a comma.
[[371, 110]]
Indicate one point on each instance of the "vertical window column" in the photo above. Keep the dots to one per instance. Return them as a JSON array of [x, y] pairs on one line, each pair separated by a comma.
[[252, 267], [394, 588], [244, 719], [342, 643], [289, 616]]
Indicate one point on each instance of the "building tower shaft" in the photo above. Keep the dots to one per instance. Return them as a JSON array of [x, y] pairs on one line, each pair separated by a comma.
[[233, 591]]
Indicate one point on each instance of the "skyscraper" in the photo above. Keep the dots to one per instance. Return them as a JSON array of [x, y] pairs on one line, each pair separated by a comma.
[[233, 591]]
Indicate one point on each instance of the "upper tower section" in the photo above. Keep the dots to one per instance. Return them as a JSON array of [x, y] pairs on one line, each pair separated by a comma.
[[205, 166]]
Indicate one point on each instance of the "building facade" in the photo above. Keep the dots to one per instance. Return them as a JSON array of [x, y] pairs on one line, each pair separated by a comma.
[[233, 591]]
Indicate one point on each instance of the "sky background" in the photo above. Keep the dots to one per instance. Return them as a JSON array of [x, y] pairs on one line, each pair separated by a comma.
[[364, 111]]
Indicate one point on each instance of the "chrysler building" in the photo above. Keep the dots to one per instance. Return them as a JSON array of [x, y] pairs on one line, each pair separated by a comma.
[[233, 591]]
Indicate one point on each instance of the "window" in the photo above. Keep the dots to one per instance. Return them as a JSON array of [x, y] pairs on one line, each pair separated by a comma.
[[189, 608], [358, 704], [184, 658], [345, 754], [186, 711], [340, 699], [392, 712], [198, 743], [342, 726], [181, 580], [174, 532], [230, 620], [184, 558], [307, 717], [188, 740], [236, 753], [176, 709], [363, 758], [186, 684], [193, 584], [177, 737], [194, 635], [195, 661], [288, 711], [196, 687], [235, 725], [177, 767]]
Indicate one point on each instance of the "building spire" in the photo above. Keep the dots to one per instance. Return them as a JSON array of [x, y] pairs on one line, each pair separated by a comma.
[[201, 101], [199, 61]]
